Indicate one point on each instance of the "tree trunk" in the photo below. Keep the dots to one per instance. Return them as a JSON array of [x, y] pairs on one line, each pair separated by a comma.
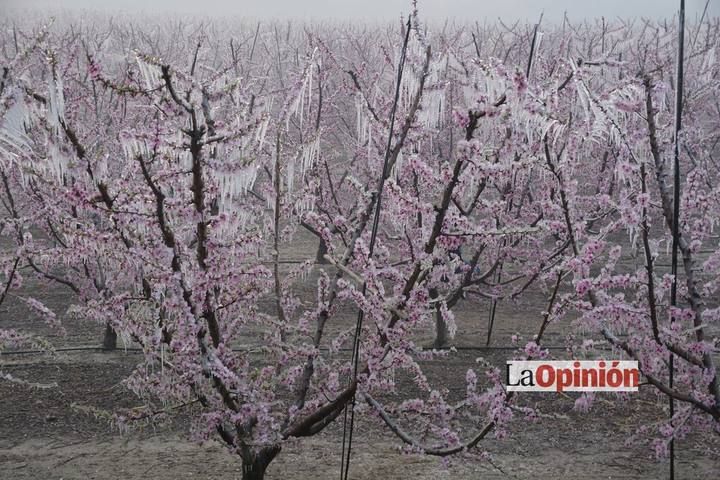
[[321, 252], [441, 332], [253, 471], [255, 463], [110, 338]]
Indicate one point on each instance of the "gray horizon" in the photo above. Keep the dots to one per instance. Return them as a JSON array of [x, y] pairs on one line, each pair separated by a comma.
[[430, 10]]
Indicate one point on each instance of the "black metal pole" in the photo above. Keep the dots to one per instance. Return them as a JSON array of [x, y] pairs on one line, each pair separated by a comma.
[[349, 417], [676, 206]]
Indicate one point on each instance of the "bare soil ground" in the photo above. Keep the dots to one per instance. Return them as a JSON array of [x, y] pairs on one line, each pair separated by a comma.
[[49, 434]]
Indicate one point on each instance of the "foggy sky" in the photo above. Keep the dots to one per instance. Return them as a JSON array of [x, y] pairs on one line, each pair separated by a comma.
[[469, 10]]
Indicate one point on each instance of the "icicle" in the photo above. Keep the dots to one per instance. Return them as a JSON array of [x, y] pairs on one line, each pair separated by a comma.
[[55, 117], [398, 165], [248, 177], [304, 204], [708, 64], [233, 185], [298, 102], [127, 146], [310, 154], [536, 52], [309, 86], [12, 129], [290, 174], [261, 132], [359, 120], [148, 72], [301, 107], [56, 107], [559, 130], [369, 141], [431, 115], [58, 162]]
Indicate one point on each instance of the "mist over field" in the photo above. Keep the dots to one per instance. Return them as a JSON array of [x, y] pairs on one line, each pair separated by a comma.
[[433, 10]]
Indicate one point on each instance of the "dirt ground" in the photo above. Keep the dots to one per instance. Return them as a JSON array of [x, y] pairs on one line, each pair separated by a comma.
[[43, 435], [49, 434]]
